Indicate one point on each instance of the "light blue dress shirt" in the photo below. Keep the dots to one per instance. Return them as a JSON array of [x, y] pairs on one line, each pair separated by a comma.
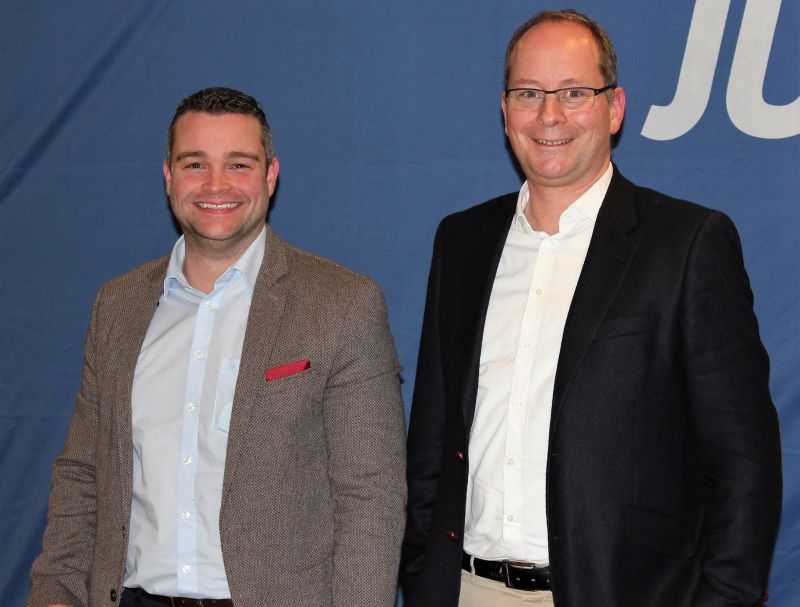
[[181, 407]]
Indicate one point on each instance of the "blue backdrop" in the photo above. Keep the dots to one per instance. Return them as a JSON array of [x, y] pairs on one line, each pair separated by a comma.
[[386, 117]]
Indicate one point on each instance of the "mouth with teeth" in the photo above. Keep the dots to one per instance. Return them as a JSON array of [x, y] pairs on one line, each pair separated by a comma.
[[552, 142], [218, 206]]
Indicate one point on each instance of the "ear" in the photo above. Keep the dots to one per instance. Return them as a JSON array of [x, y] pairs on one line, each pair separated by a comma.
[[616, 110], [273, 168], [504, 107], [167, 175]]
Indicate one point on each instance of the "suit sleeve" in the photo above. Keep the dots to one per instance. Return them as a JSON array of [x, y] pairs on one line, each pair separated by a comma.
[[733, 420], [426, 433], [365, 434], [61, 572]]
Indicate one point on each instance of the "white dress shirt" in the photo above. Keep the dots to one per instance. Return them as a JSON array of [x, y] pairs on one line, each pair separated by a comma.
[[531, 295], [181, 407]]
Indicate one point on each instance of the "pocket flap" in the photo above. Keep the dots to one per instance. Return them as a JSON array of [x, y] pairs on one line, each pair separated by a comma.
[[660, 532]]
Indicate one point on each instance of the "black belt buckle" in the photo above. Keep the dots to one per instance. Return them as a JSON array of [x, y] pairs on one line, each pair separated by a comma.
[[525, 576]]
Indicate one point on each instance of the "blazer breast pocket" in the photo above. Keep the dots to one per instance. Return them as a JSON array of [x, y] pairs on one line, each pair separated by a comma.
[[306, 381], [291, 405], [629, 325]]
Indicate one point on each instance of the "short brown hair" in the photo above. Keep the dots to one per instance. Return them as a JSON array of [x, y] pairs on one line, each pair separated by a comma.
[[221, 100], [608, 57]]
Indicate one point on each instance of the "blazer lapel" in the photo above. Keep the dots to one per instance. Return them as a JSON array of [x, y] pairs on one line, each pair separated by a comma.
[[477, 277], [142, 301], [607, 261], [263, 322]]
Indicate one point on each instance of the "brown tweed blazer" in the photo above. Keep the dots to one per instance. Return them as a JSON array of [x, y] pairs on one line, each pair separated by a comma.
[[313, 503]]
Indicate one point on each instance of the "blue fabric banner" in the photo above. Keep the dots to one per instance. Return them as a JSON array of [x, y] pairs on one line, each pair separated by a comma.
[[386, 117]]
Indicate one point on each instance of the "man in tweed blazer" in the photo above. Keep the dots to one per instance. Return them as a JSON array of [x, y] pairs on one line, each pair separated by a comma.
[[281, 483]]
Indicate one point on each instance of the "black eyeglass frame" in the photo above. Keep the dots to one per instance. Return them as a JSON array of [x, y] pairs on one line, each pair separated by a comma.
[[596, 92]]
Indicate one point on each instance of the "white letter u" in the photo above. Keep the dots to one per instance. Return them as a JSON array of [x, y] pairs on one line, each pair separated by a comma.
[[745, 98]]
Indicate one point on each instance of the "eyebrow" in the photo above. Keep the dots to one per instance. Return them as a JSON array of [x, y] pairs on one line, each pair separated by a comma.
[[228, 155], [526, 83], [236, 154]]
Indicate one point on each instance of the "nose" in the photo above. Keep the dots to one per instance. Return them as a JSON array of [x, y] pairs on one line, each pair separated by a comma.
[[551, 111], [217, 180]]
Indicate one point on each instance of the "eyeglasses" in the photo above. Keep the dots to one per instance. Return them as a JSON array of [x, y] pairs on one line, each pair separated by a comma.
[[572, 98]]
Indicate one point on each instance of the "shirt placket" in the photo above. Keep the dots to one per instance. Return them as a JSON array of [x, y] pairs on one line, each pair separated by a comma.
[[186, 512], [521, 398], [536, 426]]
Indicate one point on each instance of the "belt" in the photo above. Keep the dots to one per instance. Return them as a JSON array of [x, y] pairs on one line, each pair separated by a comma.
[[179, 601], [521, 576]]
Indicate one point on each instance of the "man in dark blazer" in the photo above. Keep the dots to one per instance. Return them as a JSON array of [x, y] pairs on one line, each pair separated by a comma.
[[238, 438], [591, 423]]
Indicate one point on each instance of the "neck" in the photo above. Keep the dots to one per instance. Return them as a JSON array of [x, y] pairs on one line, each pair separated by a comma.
[[547, 203], [544, 209], [202, 272], [205, 260], [203, 267]]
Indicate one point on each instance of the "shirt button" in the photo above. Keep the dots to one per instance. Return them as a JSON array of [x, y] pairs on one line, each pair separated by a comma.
[[185, 514], [460, 456], [190, 406], [198, 354], [510, 518], [526, 346], [538, 291], [518, 403], [209, 305], [453, 536], [510, 461], [186, 568], [187, 460]]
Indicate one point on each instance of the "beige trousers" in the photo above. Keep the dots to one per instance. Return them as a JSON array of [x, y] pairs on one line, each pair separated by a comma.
[[481, 592]]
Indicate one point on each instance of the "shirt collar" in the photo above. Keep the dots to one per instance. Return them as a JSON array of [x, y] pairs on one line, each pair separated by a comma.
[[587, 206], [247, 266]]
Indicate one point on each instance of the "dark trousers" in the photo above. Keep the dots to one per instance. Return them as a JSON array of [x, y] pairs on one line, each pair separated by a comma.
[[132, 597]]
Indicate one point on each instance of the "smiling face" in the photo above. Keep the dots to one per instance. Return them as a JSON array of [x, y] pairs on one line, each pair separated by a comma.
[[219, 182], [557, 149]]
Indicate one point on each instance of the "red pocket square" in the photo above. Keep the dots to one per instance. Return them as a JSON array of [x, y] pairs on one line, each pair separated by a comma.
[[287, 369]]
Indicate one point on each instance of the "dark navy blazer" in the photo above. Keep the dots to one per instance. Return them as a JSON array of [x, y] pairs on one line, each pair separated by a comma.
[[663, 474]]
